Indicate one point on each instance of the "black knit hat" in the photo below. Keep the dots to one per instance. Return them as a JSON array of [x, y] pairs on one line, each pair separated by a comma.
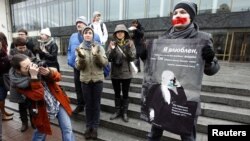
[[189, 6]]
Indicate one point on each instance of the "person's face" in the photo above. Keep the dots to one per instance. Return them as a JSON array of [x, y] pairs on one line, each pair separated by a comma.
[[21, 49], [25, 65], [88, 35], [97, 17], [134, 24], [80, 26], [120, 35], [180, 18], [22, 35], [44, 37]]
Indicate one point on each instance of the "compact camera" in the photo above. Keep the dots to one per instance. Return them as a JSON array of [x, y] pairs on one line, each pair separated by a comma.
[[42, 64]]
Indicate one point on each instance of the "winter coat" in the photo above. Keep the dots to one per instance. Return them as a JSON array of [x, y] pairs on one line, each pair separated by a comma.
[[50, 57], [35, 92], [17, 81], [101, 31], [91, 66], [75, 40], [4, 65], [138, 38], [122, 71]]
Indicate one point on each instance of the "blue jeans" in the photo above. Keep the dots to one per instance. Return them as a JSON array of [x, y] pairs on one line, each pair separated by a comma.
[[92, 95], [64, 124], [156, 133]]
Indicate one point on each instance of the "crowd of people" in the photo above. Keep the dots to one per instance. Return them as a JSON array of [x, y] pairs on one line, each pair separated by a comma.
[[34, 72]]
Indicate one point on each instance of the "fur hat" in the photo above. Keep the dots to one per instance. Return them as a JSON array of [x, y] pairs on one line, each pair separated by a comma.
[[46, 31], [82, 19], [189, 6], [96, 13]]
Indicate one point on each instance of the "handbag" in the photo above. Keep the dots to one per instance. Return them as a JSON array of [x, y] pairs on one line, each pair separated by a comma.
[[132, 66]]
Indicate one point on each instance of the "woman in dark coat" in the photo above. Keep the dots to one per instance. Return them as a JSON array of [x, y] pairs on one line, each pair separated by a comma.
[[120, 53], [138, 38], [5, 66]]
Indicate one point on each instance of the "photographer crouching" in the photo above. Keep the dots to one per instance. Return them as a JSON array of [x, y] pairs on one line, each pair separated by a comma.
[[48, 99]]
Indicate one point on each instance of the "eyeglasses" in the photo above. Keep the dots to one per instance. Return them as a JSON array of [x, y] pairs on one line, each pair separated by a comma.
[[21, 34]]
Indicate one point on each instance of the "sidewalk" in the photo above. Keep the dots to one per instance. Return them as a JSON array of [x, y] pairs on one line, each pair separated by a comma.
[[11, 131]]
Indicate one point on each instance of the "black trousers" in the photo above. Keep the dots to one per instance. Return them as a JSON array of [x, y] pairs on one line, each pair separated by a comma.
[[121, 85], [78, 88], [23, 110]]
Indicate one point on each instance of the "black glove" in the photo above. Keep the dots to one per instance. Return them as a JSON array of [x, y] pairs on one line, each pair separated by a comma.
[[207, 54]]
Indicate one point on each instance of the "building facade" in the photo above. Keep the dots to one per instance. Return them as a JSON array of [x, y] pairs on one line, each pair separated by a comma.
[[227, 20]]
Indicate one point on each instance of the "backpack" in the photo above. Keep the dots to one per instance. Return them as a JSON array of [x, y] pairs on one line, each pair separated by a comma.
[[106, 71]]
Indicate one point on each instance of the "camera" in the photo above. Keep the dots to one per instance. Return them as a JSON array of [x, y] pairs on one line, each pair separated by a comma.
[[42, 64]]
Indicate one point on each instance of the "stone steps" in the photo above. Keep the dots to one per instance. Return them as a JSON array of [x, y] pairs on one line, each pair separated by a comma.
[[67, 76]]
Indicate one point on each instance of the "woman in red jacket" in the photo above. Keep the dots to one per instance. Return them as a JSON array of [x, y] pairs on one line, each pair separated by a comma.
[[48, 99]]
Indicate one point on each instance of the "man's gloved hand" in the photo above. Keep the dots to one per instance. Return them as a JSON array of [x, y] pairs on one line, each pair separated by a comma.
[[208, 54]]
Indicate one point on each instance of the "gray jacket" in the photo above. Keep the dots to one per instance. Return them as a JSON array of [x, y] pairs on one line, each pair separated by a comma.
[[91, 66], [128, 54], [122, 71], [17, 80]]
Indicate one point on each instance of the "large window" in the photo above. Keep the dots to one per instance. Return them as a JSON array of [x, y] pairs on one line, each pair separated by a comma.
[[240, 5], [115, 10], [205, 6], [82, 8], [98, 6], [158, 8], [135, 9]]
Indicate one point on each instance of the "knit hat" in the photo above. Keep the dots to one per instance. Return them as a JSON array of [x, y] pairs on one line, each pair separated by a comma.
[[82, 19], [46, 31], [189, 6], [96, 13]]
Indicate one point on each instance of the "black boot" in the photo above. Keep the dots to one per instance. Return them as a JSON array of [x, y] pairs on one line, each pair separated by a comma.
[[24, 126], [117, 108], [94, 134], [125, 110], [87, 133]]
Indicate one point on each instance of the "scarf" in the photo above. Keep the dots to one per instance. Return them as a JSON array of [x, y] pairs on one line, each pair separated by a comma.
[[121, 42], [87, 43], [43, 44], [189, 32]]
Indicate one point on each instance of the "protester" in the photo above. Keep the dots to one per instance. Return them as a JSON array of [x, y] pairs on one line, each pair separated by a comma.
[[120, 53], [48, 99], [48, 49], [29, 43], [75, 40], [183, 27], [4, 69], [24, 104], [91, 60], [99, 27], [138, 38]]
